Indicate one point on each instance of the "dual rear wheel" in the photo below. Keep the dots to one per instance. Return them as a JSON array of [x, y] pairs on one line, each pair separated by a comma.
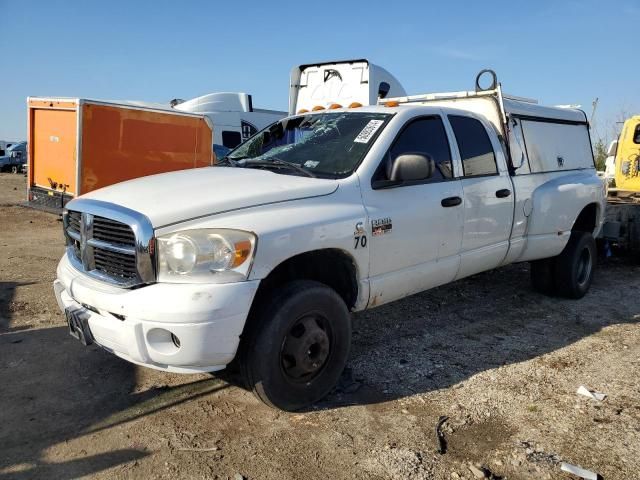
[[569, 274]]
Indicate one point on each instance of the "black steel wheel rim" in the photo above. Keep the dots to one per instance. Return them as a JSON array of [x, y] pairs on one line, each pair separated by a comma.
[[306, 348]]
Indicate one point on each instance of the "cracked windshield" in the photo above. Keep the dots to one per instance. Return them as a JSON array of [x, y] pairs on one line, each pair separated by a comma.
[[327, 145]]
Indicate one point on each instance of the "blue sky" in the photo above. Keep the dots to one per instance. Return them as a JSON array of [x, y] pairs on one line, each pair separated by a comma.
[[557, 52]]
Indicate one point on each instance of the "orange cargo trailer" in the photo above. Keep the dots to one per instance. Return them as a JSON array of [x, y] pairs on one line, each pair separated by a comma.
[[79, 145]]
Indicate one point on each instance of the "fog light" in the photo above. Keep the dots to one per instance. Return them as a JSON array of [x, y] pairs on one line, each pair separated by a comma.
[[175, 340]]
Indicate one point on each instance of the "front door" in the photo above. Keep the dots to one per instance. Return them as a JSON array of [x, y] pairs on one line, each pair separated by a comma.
[[415, 229]]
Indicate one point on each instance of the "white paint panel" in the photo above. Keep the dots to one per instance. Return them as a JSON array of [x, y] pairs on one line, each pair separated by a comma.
[[336, 83], [487, 223], [342, 82], [556, 146]]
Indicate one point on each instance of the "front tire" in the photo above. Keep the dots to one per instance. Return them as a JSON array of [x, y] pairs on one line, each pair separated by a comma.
[[297, 346], [575, 266]]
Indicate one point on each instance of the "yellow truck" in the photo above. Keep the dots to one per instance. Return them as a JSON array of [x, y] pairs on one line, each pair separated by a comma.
[[622, 221]]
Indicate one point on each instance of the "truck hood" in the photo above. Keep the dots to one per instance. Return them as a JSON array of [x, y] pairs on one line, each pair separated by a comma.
[[176, 197]]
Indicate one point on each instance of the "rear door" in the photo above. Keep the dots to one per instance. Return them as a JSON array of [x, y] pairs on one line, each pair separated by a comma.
[[488, 196], [54, 149]]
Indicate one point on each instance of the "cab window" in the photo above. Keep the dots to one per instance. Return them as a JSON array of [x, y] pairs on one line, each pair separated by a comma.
[[426, 136], [476, 152], [636, 135]]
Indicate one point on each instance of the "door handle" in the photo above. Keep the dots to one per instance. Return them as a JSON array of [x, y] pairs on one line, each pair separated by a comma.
[[504, 193], [451, 201]]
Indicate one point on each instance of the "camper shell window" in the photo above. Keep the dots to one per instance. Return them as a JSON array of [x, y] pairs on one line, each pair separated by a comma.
[[556, 145]]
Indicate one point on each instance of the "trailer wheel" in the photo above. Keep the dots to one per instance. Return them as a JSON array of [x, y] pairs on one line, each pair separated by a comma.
[[575, 266], [542, 276], [298, 346]]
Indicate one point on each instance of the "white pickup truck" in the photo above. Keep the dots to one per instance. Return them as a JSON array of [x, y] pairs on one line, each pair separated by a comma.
[[259, 260]]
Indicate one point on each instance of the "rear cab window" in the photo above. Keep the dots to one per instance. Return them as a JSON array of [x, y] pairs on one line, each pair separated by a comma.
[[476, 151]]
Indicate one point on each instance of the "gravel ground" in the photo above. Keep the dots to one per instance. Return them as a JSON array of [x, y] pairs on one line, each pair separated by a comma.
[[500, 361]]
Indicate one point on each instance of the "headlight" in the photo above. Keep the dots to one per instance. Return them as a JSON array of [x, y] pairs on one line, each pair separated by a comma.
[[205, 256]]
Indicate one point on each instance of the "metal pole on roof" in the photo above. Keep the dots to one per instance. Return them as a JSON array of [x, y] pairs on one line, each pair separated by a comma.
[[594, 105]]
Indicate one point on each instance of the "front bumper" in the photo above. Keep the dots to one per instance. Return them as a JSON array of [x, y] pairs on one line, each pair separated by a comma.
[[136, 324]]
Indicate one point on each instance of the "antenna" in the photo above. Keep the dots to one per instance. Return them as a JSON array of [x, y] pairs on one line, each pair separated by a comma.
[[594, 105]]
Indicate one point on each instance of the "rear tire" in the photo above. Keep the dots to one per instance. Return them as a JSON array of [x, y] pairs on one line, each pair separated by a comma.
[[297, 346], [542, 276], [575, 266]]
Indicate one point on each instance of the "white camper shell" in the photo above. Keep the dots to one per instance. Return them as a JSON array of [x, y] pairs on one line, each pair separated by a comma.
[[340, 83], [540, 138]]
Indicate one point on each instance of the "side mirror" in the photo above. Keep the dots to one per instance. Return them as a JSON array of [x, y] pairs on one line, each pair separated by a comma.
[[412, 167], [613, 149]]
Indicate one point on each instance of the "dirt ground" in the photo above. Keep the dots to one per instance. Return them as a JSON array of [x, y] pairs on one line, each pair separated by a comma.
[[500, 361]]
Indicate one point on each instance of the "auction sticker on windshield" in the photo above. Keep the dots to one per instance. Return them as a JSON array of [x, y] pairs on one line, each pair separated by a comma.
[[368, 131]]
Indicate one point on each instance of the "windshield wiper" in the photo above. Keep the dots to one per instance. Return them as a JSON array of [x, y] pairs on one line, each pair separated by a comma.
[[229, 160], [275, 162]]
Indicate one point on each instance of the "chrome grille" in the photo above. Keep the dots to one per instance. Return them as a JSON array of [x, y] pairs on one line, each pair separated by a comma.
[[115, 264], [73, 231], [74, 222], [109, 242], [113, 232]]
